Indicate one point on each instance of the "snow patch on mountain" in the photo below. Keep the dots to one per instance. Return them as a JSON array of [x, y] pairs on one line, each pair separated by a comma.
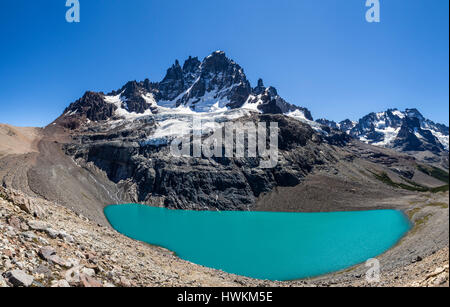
[[253, 102], [211, 101], [390, 134], [443, 139], [399, 114], [178, 122], [300, 116]]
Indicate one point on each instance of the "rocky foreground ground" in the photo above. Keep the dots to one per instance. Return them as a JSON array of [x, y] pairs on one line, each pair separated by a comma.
[[43, 244]]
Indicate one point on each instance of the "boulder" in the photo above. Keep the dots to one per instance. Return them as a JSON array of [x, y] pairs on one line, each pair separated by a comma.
[[125, 282], [29, 235], [37, 225], [72, 276], [48, 253], [19, 278], [30, 205], [66, 237], [89, 282], [89, 272], [52, 233], [15, 222]]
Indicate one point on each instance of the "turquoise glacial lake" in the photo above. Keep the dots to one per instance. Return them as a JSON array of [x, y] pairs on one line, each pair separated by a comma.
[[264, 245]]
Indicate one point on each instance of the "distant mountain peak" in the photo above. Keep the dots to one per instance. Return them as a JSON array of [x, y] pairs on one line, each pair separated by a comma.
[[405, 130]]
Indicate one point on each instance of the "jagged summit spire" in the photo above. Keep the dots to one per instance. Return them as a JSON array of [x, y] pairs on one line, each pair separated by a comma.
[[260, 88], [260, 82]]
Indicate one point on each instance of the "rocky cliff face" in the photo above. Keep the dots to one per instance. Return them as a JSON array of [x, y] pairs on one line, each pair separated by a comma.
[[146, 172]]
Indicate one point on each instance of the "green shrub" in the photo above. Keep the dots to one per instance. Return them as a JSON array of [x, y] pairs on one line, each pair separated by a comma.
[[434, 172]]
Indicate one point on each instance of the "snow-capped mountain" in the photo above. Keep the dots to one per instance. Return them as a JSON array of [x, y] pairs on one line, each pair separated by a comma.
[[215, 84], [217, 87], [402, 130]]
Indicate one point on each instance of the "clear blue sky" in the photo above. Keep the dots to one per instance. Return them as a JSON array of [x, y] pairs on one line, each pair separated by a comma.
[[320, 54]]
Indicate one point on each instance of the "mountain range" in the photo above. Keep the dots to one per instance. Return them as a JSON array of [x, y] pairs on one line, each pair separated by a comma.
[[218, 84], [114, 148], [405, 131]]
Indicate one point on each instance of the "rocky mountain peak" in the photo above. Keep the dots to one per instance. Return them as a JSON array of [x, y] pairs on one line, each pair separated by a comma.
[[272, 91], [414, 113], [173, 83], [217, 81], [191, 65], [412, 137], [329, 123], [174, 72], [131, 88], [347, 125], [260, 88], [217, 62], [93, 106]]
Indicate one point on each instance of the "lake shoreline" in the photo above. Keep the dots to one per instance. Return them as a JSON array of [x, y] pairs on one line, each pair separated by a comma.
[[122, 209], [421, 259], [354, 274]]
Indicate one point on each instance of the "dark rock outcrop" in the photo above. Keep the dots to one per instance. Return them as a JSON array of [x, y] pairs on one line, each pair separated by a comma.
[[93, 106], [412, 137]]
